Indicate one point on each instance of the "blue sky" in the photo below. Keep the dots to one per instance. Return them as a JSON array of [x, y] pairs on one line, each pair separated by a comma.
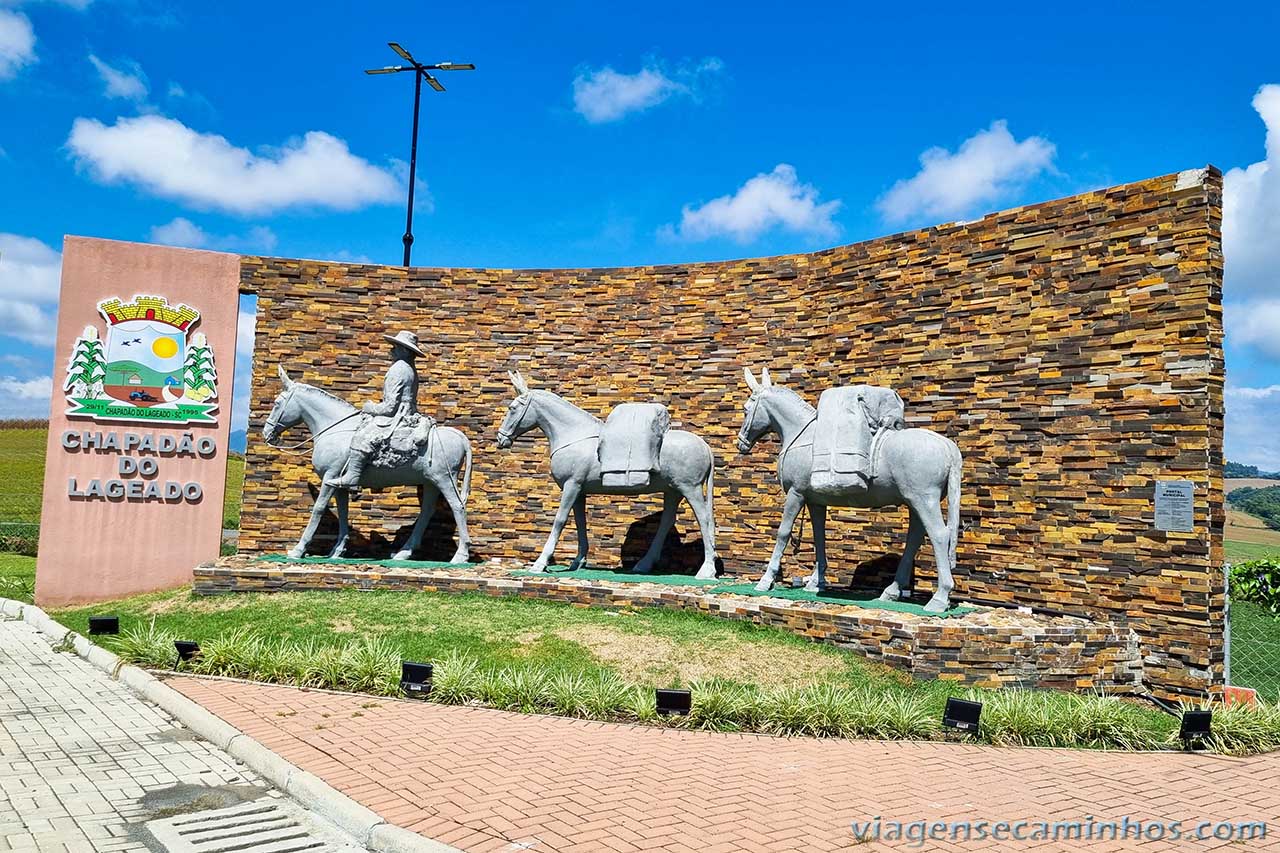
[[611, 134]]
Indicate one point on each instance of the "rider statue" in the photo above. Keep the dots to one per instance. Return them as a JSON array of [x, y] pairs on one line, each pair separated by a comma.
[[392, 427]]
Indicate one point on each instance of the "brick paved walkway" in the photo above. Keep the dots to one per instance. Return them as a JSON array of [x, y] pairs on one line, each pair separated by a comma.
[[84, 763], [491, 781]]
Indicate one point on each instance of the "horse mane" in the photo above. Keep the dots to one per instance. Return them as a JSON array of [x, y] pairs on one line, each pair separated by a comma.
[[545, 392], [793, 395], [322, 392]]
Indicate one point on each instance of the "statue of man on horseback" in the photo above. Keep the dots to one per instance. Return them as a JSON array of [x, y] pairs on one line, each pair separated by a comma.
[[389, 432]]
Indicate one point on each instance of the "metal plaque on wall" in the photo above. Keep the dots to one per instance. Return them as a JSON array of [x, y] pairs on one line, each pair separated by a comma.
[[1175, 505]]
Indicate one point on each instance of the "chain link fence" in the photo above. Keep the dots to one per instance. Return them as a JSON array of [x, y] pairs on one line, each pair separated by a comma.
[[1252, 646], [22, 445]]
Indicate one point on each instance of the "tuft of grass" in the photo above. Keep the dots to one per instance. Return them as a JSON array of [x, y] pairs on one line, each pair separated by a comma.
[[607, 696], [17, 572], [720, 706], [456, 679], [373, 666], [1243, 730], [146, 645]]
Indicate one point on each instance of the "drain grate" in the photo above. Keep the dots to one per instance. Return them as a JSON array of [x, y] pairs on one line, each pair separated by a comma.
[[263, 826]]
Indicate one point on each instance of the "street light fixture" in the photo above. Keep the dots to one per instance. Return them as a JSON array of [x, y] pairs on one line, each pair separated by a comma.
[[420, 72]]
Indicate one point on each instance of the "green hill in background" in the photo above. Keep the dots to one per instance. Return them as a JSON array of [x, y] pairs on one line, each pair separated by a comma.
[[1263, 503]]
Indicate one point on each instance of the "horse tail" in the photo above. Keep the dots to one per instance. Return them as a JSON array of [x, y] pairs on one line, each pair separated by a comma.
[[466, 474], [953, 501], [711, 479]]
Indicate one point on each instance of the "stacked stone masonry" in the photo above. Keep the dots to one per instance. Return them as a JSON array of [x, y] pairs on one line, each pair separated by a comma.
[[1073, 350], [985, 648]]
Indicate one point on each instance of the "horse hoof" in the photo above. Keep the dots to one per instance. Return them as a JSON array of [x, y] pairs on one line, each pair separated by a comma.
[[814, 587], [295, 554], [706, 573], [538, 567], [402, 555], [460, 557], [937, 605], [642, 568], [764, 585]]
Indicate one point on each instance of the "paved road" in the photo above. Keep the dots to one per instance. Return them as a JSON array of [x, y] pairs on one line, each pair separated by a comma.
[[487, 780], [87, 766]]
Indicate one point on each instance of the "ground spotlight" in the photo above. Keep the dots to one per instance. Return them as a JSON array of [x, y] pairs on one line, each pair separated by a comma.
[[104, 624], [671, 702], [415, 679], [962, 714], [1196, 726], [188, 650]]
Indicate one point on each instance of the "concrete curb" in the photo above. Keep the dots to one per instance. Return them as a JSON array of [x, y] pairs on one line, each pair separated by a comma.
[[308, 789]]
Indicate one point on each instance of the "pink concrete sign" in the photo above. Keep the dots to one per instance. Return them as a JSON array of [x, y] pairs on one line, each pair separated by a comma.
[[136, 464]]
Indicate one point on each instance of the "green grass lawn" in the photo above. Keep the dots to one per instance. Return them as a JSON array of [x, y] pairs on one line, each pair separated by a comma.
[[17, 576], [1240, 552], [649, 647]]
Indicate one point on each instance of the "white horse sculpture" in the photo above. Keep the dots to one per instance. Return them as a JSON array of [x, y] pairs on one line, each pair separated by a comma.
[[331, 422], [915, 467], [685, 469]]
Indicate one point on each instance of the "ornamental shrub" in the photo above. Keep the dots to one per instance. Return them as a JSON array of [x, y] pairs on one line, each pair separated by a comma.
[[1257, 581]]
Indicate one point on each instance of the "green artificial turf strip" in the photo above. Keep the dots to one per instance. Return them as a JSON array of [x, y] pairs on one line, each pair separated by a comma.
[[840, 596], [361, 561], [619, 577]]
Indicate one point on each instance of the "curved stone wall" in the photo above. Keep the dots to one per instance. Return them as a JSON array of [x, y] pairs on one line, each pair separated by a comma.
[[1073, 349]]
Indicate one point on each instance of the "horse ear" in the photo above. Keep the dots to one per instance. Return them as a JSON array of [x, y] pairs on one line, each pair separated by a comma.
[[284, 377], [765, 381], [751, 380], [521, 386]]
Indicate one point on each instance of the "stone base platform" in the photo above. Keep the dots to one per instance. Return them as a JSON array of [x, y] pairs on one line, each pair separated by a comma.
[[983, 647]]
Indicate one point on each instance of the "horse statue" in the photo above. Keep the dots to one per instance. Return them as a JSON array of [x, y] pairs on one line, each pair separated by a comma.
[[685, 469], [332, 422], [915, 467]]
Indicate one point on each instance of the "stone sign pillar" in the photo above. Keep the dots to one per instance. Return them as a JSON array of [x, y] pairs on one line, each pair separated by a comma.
[[136, 463]]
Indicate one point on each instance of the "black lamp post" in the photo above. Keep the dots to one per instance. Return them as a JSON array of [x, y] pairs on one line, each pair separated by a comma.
[[420, 72]]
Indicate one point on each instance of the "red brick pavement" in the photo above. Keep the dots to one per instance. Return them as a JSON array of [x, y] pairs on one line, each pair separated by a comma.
[[485, 780]]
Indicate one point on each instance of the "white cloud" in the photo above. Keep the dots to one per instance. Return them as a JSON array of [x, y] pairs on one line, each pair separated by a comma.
[[26, 389], [775, 199], [30, 276], [25, 398], [1255, 323], [1251, 212], [604, 95], [186, 234], [988, 166], [169, 159], [128, 82], [17, 43], [1252, 414]]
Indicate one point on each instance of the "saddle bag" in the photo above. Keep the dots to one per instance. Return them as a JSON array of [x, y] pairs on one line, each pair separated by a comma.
[[847, 422], [630, 443]]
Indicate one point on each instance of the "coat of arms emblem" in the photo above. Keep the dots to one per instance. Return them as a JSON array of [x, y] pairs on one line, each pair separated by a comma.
[[150, 367]]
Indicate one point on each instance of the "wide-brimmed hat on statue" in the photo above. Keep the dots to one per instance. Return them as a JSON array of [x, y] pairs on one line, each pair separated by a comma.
[[408, 340]]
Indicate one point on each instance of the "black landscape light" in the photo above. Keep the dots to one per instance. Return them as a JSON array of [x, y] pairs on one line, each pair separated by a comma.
[[671, 702], [415, 679], [1196, 726], [420, 72], [188, 650], [961, 714], [104, 624]]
